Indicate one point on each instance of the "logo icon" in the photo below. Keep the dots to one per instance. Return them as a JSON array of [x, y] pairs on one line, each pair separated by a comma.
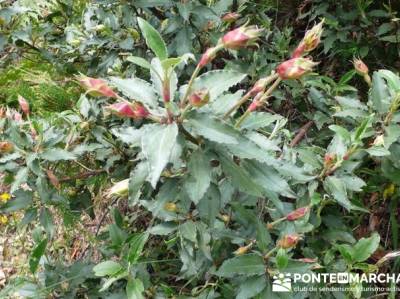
[[282, 283]]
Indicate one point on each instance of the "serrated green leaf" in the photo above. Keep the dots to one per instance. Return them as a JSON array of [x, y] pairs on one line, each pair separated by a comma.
[[379, 96], [137, 178], [157, 146], [139, 61], [337, 189], [134, 289], [213, 129], [199, 176], [57, 154], [136, 245], [268, 178], [248, 265], [258, 120], [188, 231], [136, 89], [365, 247], [36, 254], [107, 268], [217, 82], [240, 177], [251, 287], [153, 39]]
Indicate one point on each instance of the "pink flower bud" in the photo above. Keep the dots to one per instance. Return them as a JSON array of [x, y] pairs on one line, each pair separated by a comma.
[[124, 109], [360, 67], [288, 241], [295, 68], [23, 103], [259, 86], [241, 37], [208, 56], [253, 106], [297, 214], [97, 87], [199, 98], [231, 17]]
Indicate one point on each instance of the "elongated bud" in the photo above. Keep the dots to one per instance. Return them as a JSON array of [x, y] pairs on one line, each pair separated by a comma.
[[231, 17], [208, 56], [295, 68], [199, 98], [6, 147], [23, 104], [297, 214], [97, 87], [312, 38], [360, 67], [131, 110], [170, 207], [120, 189], [241, 37], [288, 241]]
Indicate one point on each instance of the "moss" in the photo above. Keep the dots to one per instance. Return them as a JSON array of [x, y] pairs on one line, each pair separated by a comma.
[[40, 83]]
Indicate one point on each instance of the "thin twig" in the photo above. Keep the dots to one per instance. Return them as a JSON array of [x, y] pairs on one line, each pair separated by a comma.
[[300, 135]]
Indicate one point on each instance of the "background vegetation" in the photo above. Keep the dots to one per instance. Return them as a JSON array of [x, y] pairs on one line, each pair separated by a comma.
[[206, 213]]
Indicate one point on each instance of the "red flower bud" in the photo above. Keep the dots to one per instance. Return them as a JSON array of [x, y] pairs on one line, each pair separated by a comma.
[[295, 68], [23, 104], [360, 67], [231, 17], [199, 98], [208, 56], [97, 87], [241, 37], [297, 214], [288, 241], [124, 109], [6, 147]]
